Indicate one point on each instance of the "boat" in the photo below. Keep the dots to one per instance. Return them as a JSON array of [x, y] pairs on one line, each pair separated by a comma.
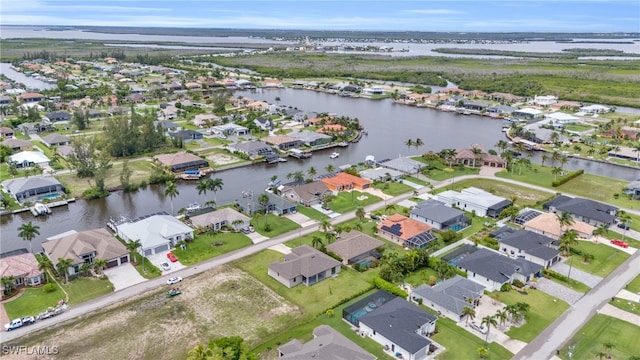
[[191, 174], [334, 155], [275, 182], [299, 154], [40, 209], [193, 207], [174, 292]]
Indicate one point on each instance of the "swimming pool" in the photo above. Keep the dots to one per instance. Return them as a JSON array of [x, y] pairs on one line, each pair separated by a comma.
[[49, 196]]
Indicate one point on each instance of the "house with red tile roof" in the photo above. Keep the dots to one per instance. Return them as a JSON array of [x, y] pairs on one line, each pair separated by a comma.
[[405, 231], [23, 268], [343, 181], [31, 97]]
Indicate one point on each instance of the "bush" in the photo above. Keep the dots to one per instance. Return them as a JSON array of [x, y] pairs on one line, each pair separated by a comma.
[[49, 288], [517, 283], [505, 287], [267, 228], [94, 193], [567, 177], [382, 284]]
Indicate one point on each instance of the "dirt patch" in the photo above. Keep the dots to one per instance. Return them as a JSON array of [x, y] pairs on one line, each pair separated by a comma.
[[221, 302], [221, 159]]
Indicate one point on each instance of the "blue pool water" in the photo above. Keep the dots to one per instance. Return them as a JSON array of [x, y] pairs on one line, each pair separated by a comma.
[[49, 196], [454, 262], [456, 227]]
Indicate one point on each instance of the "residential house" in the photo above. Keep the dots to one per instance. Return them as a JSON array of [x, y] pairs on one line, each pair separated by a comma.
[[167, 126], [306, 194], [501, 110], [310, 138], [381, 174], [406, 232], [202, 120], [633, 189], [538, 134], [32, 128], [403, 164], [505, 98], [56, 140], [27, 159], [595, 109], [22, 266], [32, 188], [230, 129], [475, 105], [560, 119], [475, 200], [254, 149], [586, 210], [334, 130], [271, 83], [343, 182], [327, 344], [31, 97], [547, 224], [18, 145], [283, 142], [5, 100], [439, 216], [304, 265], [216, 220], [57, 116], [263, 124], [451, 296], [157, 233], [373, 90], [476, 156], [401, 327], [492, 269], [546, 100], [355, 247], [181, 161], [625, 152], [85, 247], [531, 246], [65, 151], [186, 135], [7, 132], [528, 113], [276, 205]]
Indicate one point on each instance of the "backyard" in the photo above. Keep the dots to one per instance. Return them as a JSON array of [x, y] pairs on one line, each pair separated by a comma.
[[600, 330], [209, 245]]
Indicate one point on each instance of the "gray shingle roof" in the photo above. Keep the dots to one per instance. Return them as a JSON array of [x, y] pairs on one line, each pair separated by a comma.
[[303, 260], [327, 344], [15, 186], [451, 293], [588, 209], [436, 211], [354, 244], [531, 243], [495, 266]]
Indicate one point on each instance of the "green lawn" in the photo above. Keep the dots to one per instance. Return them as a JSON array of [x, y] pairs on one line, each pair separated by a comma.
[[577, 127], [83, 289], [311, 213], [279, 225], [421, 276], [393, 188], [447, 173], [147, 270], [461, 344], [606, 259], [313, 299], [208, 245], [524, 195], [544, 310], [572, 284], [415, 180], [348, 201], [602, 329], [626, 305], [634, 285]]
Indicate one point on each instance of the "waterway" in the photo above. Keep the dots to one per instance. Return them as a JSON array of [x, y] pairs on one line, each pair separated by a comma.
[[389, 126], [29, 82]]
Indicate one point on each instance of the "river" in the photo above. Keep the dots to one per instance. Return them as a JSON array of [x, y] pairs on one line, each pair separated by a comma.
[[389, 125], [29, 82]]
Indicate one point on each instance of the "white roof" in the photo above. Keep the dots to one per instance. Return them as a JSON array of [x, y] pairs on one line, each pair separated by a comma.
[[35, 157], [472, 195], [154, 230], [529, 111], [595, 108], [562, 116]]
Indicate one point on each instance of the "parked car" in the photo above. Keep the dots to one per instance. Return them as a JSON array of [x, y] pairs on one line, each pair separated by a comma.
[[165, 266], [374, 217], [14, 324], [245, 230], [251, 229], [620, 243], [28, 320], [474, 325], [174, 280], [171, 257], [624, 226]]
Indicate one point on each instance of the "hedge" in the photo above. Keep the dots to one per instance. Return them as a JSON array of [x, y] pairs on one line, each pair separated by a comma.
[[346, 299], [383, 284], [566, 178]]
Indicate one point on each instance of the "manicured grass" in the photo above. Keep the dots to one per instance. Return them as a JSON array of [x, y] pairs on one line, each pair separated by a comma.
[[415, 180], [348, 201], [524, 195], [147, 270], [572, 284], [421, 276], [634, 285], [577, 127], [83, 289], [202, 247], [605, 258], [543, 311], [32, 302], [626, 305], [477, 223], [313, 299], [461, 344], [602, 329], [393, 188], [279, 225], [312, 213], [448, 173]]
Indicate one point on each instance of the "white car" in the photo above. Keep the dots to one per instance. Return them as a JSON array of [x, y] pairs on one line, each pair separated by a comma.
[[478, 327], [14, 324], [174, 280], [165, 266]]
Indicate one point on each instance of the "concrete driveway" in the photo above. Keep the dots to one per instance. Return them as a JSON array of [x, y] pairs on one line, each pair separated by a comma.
[[124, 276], [157, 259], [576, 274], [329, 213], [300, 219]]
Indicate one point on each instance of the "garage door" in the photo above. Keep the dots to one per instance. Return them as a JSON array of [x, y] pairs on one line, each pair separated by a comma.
[[124, 259], [160, 249], [112, 263], [148, 252]]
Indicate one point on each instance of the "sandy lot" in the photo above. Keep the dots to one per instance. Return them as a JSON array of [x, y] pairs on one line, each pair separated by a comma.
[[224, 302], [221, 159]]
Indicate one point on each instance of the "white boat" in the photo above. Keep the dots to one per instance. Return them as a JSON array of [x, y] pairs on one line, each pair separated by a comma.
[[40, 209], [334, 155], [193, 207]]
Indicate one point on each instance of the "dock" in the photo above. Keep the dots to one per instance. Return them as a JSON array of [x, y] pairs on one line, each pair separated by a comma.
[[48, 205]]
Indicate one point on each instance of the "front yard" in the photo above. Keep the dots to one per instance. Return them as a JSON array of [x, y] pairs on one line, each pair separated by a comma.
[[349, 201], [461, 344], [209, 245], [393, 188], [605, 258], [272, 225], [602, 329]]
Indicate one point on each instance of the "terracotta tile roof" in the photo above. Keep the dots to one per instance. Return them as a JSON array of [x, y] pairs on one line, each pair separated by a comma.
[[345, 179], [23, 265], [408, 227], [548, 223]]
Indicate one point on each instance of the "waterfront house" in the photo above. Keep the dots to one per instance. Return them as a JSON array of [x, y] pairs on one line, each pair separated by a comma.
[[475, 105], [18, 145], [528, 113], [31, 97], [157, 233], [381, 174], [7, 132], [304, 265], [327, 344], [57, 116], [216, 220], [560, 119], [230, 129], [263, 124], [624, 152], [283, 142], [276, 205], [492, 269], [541, 135], [373, 90], [501, 110], [56, 140], [27, 159], [181, 161], [5, 100], [355, 247], [343, 182], [306, 194], [505, 98], [405, 231], [589, 211], [22, 266], [310, 138], [403, 164], [202, 120], [595, 109], [450, 296], [85, 247], [33, 188], [547, 224], [633, 189], [531, 246], [439, 216], [546, 100], [401, 328], [475, 200], [467, 157], [254, 149]]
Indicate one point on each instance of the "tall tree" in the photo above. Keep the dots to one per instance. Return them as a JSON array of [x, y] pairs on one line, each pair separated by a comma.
[[133, 246], [324, 225], [418, 143], [360, 213], [469, 313], [330, 168], [63, 266], [502, 145], [263, 200], [409, 143], [171, 191], [316, 242], [202, 188], [214, 185], [312, 172], [556, 171], [477, 153], [489, 321], [567, 239], [28, 232], [565, 220], [100, 264]]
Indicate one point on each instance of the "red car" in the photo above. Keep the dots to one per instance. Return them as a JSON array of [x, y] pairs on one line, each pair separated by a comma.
[[172, 257], [620, 243]]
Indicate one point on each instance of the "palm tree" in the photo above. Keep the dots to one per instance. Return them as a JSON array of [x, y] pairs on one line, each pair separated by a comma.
[[133, 246], [409, 143], [330, 236], [358, 226], [202, 188], [600, 231], [263, 200], [27, 232], [389, 207], [502, 145], [567, 239], [483, 352], [324, 225], [601, 355], [476, 154], [592, 151], [330, 168], [556, 171], [45, 264], [312, 172], [501, 315], [200, 352], [8, 283], [316, 242], [99, 264], [215, 185], [544, 158], [235, 223], [489, 320], [171, 191], [63, 267], [469, 312], [418, 143], [565, 220], [563, 160], [360, 213], [298, 176]]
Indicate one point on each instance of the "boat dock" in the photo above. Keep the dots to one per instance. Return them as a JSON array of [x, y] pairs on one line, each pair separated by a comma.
[[40, 209], [49, 206]]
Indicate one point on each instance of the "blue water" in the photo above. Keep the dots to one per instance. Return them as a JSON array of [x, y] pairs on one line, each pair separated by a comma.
[[455, 261], [49, 196], [456, 227]]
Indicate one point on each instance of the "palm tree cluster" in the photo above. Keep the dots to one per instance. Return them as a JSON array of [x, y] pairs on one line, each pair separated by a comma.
[[214, 185], [417, 143]]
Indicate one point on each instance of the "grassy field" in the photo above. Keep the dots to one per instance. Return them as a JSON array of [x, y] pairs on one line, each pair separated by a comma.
[[461, 344], [602, 329], [348, 201], [524, 196], [446, 173], [606, 259], [208, 245], [634, 285], [393, 188], [311, 213], [146, 269], [544, 310], [279, 225]]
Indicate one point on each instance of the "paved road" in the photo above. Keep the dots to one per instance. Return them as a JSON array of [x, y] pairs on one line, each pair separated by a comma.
[[562, 330]]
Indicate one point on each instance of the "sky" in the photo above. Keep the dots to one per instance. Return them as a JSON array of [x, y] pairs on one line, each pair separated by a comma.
[[385, 15]]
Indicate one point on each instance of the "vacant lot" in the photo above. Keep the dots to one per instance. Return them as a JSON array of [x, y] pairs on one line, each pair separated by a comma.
[[222, 302], [605, 258], [601, 329]]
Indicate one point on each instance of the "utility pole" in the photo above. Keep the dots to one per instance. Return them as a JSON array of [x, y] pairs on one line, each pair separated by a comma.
[[570, 266]]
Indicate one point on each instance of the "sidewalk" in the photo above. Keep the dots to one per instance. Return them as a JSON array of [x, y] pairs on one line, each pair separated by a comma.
[[613, 311]]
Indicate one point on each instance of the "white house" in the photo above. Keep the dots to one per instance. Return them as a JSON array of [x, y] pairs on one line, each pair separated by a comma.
[[474, 199], [595, 109], [26, 159], [157, 233], [374, 90], [546, 100], [560, 118]]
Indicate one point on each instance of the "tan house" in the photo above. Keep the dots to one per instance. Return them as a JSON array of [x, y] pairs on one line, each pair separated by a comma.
[[23, 268], [306, 194], [304, 265], [355, 247], [215, 220], [547, 224]]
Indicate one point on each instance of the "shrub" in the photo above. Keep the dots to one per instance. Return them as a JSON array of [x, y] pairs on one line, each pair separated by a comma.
[[567, 177], [49, 288], [517, 283], [382, 284], [267, 228], [505, 287]]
